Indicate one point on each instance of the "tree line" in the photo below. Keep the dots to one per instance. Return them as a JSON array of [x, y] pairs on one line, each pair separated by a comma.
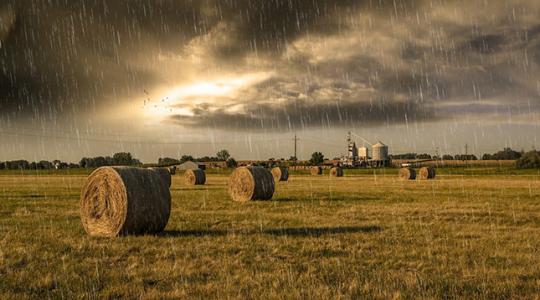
[[523, 159], [505, 154], [118, 159], [221, 156], [36, 165]]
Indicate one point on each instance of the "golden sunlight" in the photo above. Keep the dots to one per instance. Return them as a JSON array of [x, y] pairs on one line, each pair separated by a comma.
[[213, 94]]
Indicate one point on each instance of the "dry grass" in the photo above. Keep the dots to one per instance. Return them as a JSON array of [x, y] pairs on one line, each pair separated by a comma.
[[369, 236]]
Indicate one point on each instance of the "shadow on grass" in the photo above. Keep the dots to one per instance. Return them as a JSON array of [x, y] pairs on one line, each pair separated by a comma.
[[319, 231], [194, 232], [325, 197], [296, 231]]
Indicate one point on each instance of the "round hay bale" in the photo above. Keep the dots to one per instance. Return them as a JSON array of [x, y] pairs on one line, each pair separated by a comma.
[[118, 201], [407, 174], [164, 174], [195, 177], [336, 172], [280, 174], [251, 183], [426, 173], [316, 171]]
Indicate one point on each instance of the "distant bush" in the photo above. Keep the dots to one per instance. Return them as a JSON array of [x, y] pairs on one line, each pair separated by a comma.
[[404, 156], [167, 161], [530, 160], [465, 157], [506, 154], [423, 156], [118, 159], [447, 157], [317, 158], [223, 155], [231, 163]]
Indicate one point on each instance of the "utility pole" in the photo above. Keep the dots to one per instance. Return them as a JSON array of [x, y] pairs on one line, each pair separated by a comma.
[[296, 139], [466, 151]]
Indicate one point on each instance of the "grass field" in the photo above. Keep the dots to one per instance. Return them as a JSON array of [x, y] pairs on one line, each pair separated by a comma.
[[468, 234]]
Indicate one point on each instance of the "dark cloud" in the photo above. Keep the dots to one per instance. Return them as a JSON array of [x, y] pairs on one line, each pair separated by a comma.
[[302, 114], [336, 63], [70, 55]]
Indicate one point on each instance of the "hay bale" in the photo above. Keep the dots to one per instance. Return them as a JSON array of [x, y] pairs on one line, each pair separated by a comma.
[[426, 173], [336, 172], [117, 201], [164, 174], [280, 174], [316, 171], [195, 177], [251, 183], [407, 174]]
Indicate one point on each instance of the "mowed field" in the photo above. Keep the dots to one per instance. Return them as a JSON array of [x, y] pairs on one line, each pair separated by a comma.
[[463, 235]]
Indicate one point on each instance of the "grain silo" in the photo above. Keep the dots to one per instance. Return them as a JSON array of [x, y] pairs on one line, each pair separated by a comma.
[[379, 152], [363, 153]]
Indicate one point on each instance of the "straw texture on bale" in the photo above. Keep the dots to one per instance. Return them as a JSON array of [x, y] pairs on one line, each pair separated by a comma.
[[280, 174], [407, 174], [316, 171], [195, 177], [251, 183], [117, 201], [336, 172], [426, 173]]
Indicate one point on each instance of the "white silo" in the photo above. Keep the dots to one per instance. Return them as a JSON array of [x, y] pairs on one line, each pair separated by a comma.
[[363, 153], [379, 152]]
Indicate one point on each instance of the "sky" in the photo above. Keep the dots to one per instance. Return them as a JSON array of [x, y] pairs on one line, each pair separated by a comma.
[[167, 78]]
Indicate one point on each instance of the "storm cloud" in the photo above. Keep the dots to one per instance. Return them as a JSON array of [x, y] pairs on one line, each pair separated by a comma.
[[329, 63]]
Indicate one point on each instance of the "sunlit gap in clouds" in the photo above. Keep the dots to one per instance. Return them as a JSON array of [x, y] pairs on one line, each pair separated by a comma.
[[223, 93]]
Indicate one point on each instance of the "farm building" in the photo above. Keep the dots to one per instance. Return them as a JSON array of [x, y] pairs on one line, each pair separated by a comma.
[[190, 165]]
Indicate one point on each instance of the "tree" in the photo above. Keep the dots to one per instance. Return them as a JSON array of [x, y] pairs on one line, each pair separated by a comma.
[[423, 156], [167, 161], [505, 154], [17, 165], [44, 165], [185, 158], [447, 157], [99, 161], [223, 155], [530, 160], [317, 158], [231, 163], [465, 157], [404, 156], [122, 159], [84, 162], [487, 156]]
